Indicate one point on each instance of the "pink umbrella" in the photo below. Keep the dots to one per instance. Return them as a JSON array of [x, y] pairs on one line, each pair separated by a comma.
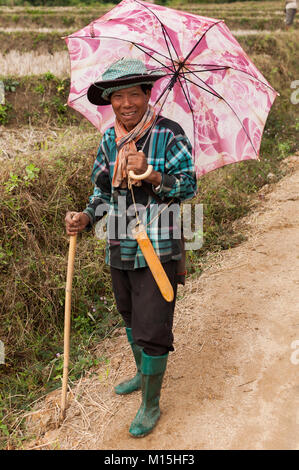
[[211, 87]]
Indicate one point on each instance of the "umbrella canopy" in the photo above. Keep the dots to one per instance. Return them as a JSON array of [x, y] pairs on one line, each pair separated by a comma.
[[211, 87]]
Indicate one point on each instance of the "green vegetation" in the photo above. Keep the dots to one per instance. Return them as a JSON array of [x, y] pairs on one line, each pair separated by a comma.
[[36, 192], [36, 101], [38, 186], [4, 113]]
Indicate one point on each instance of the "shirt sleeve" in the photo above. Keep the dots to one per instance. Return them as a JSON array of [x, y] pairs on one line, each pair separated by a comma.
[[99, 201], [179, 178]]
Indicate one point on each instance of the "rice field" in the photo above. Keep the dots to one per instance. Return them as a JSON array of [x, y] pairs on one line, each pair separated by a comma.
[[32, 63]]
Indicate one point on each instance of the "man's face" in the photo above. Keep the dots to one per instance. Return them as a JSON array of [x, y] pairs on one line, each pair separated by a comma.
[[129, 105]]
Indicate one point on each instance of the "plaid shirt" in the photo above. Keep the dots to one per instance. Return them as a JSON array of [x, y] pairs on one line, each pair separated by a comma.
[[169, 151]]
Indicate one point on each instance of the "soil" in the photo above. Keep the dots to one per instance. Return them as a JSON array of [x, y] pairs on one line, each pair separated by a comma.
[[232, 381]]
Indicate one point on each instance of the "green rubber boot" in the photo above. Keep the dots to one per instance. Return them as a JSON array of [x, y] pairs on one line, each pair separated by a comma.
[[152, 369], [133, 384]]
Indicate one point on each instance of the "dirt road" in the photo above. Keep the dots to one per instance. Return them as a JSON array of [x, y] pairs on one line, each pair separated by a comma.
[[233, 380]]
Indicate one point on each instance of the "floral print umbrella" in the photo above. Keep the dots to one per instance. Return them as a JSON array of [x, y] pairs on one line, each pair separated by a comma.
[[211, 87]]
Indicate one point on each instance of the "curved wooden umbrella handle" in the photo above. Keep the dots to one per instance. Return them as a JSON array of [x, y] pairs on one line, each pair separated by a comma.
[[143, 176]]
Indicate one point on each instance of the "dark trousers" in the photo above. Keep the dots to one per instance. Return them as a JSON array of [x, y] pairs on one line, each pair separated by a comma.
[[143, 308]]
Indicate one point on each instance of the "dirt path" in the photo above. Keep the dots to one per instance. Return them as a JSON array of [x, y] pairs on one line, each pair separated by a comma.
[[232, 382]]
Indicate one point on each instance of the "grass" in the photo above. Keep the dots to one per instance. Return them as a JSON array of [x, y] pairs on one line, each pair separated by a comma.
[[45, 170], [34, 63], [38, 100], [36, 192]]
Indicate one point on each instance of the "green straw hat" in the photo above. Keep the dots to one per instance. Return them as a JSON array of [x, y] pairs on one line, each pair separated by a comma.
[[124, 73]]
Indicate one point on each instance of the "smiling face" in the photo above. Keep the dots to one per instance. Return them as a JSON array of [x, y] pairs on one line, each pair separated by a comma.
[[129, 105]]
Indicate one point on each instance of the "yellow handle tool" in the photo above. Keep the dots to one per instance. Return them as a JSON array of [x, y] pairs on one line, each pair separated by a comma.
[[153, 262]]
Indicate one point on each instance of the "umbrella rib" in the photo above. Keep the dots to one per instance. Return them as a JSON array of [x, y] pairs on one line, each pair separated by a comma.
[[189, 104], [187, 97], [213, 92], [154, 58], [192, 112], [163, 30], [203, 65], [223, 67], [252, 76], [227, 103], [162, 26], [163, 93], [195, 46], [78, 97], [205, 70]]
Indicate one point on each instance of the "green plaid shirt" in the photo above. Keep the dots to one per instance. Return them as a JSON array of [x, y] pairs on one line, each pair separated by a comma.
[[169, 151]]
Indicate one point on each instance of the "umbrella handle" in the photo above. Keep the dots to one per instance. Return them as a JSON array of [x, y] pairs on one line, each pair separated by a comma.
[[143, 176], [67, 321]]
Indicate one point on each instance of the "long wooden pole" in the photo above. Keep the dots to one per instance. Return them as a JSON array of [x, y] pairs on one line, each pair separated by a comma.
[[67, 322]]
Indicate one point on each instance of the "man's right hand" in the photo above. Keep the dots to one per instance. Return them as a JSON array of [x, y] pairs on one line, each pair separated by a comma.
[[75, 222]]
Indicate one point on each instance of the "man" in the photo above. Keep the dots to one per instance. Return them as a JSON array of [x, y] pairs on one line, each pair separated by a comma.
[[138, 139]]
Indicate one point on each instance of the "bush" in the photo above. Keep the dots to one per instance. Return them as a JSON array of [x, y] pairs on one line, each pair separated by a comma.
[[35, 194]]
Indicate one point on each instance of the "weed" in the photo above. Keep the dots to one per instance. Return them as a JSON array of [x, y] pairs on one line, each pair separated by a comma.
[[31, 174], [39, 89], [11, 85], [48, 76], [60, 86], [12, 182], [58, 105], [284, 149], [4, 113]]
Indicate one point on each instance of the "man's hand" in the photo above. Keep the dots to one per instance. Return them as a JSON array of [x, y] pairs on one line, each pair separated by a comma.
[[75, 222], [137, 162]]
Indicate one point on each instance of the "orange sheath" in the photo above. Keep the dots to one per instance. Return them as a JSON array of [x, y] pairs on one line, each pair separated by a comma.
[[153, 262]]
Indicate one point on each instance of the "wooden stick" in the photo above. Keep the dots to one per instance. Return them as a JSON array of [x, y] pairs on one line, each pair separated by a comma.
[[67, 322]]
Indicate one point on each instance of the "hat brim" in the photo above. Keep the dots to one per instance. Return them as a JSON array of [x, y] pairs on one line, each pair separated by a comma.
[[94, 93]]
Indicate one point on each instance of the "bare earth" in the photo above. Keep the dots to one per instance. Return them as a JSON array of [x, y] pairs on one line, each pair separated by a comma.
[[232, 382]]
